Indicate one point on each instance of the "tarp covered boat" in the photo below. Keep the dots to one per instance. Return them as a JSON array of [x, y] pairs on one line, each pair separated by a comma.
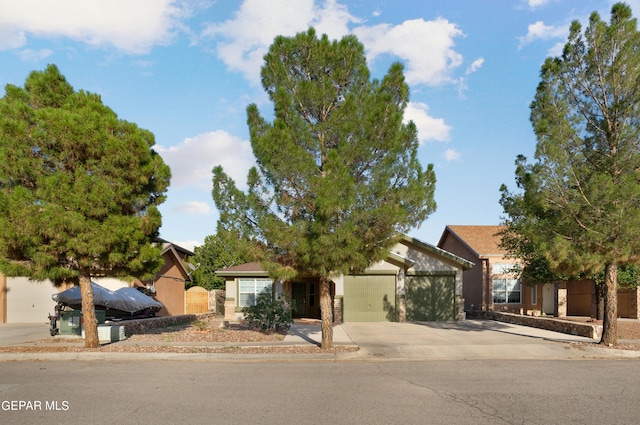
[[119, 303]]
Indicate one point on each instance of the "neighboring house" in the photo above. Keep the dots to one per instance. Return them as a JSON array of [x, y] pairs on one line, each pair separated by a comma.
[[169, 282], [493, 284], [24, 300], [416, 282]]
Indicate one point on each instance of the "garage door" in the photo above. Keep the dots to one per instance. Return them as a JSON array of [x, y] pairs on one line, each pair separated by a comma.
[[29, 301], [370, 298], [431, 298]]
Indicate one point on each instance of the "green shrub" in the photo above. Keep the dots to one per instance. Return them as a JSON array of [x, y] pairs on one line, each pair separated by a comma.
[[269, 314]]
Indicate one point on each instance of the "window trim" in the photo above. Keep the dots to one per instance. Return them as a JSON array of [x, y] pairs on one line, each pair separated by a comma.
[[256, 290], [508, 290]]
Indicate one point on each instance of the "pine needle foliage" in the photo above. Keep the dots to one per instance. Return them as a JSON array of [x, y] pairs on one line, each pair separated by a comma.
[[79, 187], [576, 213], [337, 178]]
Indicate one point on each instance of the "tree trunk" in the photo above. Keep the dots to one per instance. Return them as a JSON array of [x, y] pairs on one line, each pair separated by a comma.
[[610, 322], [326, 311], [89, 321]]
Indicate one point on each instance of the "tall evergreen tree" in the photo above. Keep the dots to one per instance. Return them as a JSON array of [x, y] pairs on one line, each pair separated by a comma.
[[338, 178], [79, 189], [221, 250], [577, 213]]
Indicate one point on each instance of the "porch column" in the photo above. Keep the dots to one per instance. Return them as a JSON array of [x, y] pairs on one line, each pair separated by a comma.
[[230, 309], [561, 297], [337, 309], [402, 308]]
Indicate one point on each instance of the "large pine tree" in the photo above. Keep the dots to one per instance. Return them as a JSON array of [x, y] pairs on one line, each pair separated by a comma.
[[79, 189], [338, 178], [577, 212]]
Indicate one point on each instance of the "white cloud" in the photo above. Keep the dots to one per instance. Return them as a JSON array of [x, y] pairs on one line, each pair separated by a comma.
[[244, 40], [556, 49], [130, 26], [540, 31], [34, 55], [476, 65], [190, 244], [194, 208], [192, 160], [452, 155], [427, 47], [534, 4], [429, 128]]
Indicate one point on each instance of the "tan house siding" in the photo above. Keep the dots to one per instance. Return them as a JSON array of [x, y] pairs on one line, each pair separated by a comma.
[[170, 287], [474, 299], [480, 245], [580, 298], [409, 257]]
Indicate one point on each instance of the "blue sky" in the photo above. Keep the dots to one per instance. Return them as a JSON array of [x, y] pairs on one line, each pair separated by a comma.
[[187, 69]]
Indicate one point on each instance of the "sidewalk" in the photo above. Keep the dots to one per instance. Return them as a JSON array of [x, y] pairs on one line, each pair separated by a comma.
[[305, 335], [466, 340]]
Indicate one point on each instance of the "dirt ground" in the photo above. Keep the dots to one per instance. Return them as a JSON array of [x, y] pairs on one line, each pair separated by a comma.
[[187, 338], [234, 339], [628, 333]]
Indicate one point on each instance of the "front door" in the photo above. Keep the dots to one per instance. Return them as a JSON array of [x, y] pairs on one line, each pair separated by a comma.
[[305, 300], [299, 298]]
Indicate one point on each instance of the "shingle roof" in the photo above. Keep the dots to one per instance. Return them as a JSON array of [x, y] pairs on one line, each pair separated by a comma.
[[253, 268], [246, 267], [481, 239]]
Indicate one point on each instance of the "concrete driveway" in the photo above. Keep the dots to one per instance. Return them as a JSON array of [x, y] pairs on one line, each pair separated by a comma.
[[469, 339], [18, 333]]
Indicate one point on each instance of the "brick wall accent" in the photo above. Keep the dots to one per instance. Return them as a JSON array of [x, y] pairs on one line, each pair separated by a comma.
[[337, 310]]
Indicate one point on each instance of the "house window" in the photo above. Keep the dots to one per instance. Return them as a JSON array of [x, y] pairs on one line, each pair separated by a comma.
[[506, 268], [250, 288], [506, 291]]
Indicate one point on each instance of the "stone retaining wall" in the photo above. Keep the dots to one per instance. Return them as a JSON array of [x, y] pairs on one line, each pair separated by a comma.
[[548, 323], [141, 326]]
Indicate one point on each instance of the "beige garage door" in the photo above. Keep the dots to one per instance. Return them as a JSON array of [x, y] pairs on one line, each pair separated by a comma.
[[370, 298]]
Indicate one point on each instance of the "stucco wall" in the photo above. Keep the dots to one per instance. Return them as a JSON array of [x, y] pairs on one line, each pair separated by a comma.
[[473, 278], [29, 301]]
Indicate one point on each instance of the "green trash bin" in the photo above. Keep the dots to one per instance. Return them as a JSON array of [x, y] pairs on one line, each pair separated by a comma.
[[71, 321]]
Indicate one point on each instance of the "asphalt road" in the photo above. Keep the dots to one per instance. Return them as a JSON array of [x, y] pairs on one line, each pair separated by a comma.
[[410, 392]]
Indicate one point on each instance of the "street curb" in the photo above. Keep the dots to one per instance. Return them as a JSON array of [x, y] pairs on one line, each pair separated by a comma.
[[209, 357]]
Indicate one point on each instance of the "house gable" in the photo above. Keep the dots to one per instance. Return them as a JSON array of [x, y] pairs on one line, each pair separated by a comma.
[[478, 241]]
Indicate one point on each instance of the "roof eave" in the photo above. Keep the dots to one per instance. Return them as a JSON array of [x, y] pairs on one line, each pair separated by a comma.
[[465, 264]]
